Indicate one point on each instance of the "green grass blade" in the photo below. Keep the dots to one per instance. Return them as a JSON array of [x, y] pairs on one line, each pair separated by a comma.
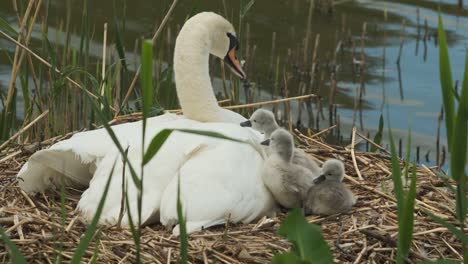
[[90, 231], [115, 140], [6, 27], [378, 136], [398, 189], [246, 8], [459, 147], [407, 159], [446, 82], [182, 227], [405, 233], [440, 261], [287, 258], [147, 76], [158, 140], [16, 256], [133, 228], [156, 144], [396, 173], [309, 244], [452, 228], [119, 43]]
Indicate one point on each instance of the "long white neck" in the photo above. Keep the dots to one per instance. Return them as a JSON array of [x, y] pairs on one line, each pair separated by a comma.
[[194, 89]]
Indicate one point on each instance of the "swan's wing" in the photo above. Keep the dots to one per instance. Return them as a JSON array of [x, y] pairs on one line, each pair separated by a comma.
[[222, 181], [178, 148], [77, 158]]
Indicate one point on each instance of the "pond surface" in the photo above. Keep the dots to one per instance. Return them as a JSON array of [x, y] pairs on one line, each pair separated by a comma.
[[411, 92]]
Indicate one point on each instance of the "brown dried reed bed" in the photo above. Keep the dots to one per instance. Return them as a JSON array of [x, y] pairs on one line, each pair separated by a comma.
[[365, 235]]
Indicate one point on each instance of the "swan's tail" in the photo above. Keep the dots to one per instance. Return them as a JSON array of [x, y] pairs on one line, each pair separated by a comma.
[[48, 168]]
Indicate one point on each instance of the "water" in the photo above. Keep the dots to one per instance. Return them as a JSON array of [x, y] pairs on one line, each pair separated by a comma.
[[412, 94]]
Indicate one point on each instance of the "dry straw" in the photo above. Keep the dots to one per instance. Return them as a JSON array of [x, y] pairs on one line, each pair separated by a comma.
[[367, 233]]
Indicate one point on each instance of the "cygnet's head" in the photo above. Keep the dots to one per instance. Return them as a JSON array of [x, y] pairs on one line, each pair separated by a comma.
[[262, 121], [332, 170], [221, 40], [281, 142]]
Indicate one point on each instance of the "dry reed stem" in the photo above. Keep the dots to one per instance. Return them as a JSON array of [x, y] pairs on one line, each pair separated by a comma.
[[17, 60], [24, 129], [43, 61], [103, 67], [353, 155]]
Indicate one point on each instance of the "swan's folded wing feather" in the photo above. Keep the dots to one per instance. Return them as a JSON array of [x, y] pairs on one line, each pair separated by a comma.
[[77, 158], [223, 180]]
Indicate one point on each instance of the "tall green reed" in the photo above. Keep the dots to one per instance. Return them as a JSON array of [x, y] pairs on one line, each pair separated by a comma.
[[456, 122], [405, 199], [309, 246]]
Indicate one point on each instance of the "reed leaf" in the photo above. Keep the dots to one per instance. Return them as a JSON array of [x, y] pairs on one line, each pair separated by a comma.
[[452, 228], [405, 229], [459, 145], [287, 258], [158, 141], [6, 27], [133, 228], [407, 159], [146, 78], [119, 43], [15, 254], [440, 261], [91, 230], [405, 203], [183, 238], [446, 82], [115, 140], [378, 136], [246, 7], [307, 239], [396, 174]]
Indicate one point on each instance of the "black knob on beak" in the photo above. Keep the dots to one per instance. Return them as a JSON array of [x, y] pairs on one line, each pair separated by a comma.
[[246, 124], [319, 179], [266, 142]]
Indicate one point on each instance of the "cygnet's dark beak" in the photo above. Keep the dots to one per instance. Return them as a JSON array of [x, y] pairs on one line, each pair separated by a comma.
[[319, 179], [266, 142], [246, 124]]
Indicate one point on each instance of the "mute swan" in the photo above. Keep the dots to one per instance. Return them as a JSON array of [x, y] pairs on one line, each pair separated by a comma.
[[209, 193], [288, 182], [329, 195], [264, 121]]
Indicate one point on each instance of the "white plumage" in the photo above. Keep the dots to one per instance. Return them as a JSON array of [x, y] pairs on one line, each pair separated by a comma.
[[220, 179]]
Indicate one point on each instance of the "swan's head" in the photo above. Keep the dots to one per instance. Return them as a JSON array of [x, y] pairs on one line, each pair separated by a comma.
[[221, 41], [332, 170], [281, 142], [262, 121]]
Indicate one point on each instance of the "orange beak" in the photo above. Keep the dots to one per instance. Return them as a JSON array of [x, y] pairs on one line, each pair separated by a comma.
[[234, 64]]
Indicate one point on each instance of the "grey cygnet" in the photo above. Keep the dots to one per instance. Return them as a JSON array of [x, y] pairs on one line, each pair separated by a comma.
[[288, 182], [264, 122], [329, 195]]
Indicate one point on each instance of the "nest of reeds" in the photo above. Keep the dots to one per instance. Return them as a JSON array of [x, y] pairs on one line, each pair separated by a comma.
[[44, 232]]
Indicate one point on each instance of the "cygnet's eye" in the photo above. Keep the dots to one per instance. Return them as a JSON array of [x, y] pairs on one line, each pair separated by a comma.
[[329, 174], [255, 121]]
